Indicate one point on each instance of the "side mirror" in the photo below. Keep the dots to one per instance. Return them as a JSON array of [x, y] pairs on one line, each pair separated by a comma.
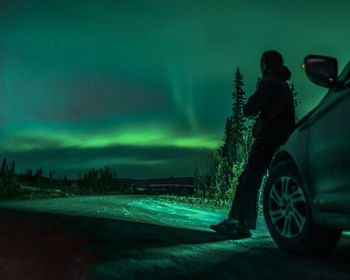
[[321, 70]]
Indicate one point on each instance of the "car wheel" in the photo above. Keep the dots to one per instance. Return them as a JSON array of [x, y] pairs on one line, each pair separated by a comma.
[[288, 216]]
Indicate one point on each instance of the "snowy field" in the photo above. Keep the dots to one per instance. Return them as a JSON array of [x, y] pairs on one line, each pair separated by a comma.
[[148, 237], [148, 209]]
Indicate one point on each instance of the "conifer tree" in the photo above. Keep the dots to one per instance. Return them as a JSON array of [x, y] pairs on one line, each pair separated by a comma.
[[226, 149], [247, 135], [296, 100], [223, 176], [233, 148], [3, 167], [38, 177], [12, 169], [238, 120]]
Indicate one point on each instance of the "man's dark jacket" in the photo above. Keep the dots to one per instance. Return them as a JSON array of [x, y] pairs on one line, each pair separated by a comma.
[[274, 101]]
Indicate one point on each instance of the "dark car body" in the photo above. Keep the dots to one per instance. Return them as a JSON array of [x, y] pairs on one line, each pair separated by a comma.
[[320, 149], [306, 193]]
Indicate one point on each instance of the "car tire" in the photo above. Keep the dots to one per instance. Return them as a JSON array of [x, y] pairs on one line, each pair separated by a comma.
[[288, 217]]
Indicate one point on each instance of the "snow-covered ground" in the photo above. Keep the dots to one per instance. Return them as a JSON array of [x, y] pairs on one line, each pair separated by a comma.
[[149, 237], [147, 209]]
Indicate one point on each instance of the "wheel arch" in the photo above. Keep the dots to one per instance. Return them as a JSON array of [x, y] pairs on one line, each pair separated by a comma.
[[279, 156], [283, 155]]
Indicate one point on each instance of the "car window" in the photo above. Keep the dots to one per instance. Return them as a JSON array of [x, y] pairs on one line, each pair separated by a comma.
[[335, 93], [344, 79], [345, 76], [347, 83]]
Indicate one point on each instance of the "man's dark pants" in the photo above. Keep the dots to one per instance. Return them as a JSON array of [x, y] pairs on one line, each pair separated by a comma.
[[244, 206]]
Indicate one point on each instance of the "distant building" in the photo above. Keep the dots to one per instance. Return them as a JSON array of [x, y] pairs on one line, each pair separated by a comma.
[[177, 189]]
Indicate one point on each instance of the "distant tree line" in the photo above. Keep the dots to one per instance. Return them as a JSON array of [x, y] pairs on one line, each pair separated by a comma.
[[99, 181], [95, 181], [216, 175], [8, 180]]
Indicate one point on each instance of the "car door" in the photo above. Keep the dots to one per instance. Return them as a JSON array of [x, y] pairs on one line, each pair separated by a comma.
[[328, 158]]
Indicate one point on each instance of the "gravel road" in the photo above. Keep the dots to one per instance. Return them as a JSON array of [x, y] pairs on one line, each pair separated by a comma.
[[143, 237]]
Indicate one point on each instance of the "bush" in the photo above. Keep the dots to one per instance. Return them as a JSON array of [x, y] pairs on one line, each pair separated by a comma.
[[98, 181], [204, 174], [74, 188], [8, 188], [237, 170]]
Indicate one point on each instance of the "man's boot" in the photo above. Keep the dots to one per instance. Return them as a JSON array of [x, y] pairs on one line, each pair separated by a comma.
[[232, 228]]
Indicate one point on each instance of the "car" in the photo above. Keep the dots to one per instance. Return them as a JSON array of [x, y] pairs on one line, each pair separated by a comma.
[[306, 194]]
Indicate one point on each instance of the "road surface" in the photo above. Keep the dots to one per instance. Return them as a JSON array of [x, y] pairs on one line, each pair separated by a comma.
[[143, 237]]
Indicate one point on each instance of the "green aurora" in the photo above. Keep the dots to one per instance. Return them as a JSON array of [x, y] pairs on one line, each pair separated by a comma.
[[144, 86]]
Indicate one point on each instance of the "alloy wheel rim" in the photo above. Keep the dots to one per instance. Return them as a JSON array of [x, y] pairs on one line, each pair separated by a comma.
[[287, 207]]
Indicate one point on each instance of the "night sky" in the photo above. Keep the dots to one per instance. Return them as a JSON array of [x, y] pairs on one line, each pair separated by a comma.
[[143, 86]]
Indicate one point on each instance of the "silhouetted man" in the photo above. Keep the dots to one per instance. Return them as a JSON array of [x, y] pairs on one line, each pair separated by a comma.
[[273, 107]]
